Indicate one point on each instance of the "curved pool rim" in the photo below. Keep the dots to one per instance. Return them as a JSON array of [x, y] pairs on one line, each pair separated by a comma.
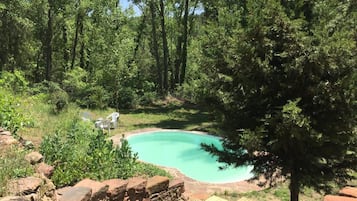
[[127, 136]]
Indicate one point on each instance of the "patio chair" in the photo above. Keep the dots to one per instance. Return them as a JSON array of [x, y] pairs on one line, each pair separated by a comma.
[[111, 122], [113, 119]]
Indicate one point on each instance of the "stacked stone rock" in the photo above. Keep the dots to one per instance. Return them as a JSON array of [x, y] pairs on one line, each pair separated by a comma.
[[134, 189], [36, 187], [346, 194], [6, 138]]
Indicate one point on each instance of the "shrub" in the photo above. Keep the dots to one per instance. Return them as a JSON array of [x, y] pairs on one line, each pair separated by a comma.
[[147, 94], [148, 98], [125, 98], [195, 91], [80, 151], [55, 95], [95, 97], [75, 83], [150, 170], [14, 81], [10, 117], [58, 100]]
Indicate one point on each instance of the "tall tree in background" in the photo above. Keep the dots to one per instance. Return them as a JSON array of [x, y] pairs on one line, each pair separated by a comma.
[[182, 41], [165, 47], [284, 91], [15, 35], [48, 41], [78, 29], [185, 43], [155, 47]]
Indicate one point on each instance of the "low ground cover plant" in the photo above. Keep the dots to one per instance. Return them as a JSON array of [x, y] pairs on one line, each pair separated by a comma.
[[80, 151], [12, 165]]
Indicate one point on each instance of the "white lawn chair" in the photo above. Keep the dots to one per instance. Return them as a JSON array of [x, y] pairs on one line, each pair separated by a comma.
[[113, 119]]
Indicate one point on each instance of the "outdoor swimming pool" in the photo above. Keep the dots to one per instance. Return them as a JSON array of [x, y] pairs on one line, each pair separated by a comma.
[[182, 150]]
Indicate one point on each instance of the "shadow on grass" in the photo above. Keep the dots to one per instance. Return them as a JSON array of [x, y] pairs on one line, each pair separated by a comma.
[[186, 117]]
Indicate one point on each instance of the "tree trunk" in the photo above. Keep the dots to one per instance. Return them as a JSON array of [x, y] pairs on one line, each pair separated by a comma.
[[178, 59], [49, 44], [165, 47], [65, 50], [81, 51], [185, 43], [294, 185], [75, 40], [38, 77], [138, 38], [155, 48]]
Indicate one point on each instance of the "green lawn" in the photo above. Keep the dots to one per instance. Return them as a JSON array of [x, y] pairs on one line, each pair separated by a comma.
[[174, 115]]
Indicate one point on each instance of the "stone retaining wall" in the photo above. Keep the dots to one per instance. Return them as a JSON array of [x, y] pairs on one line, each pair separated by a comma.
[[156, 188]]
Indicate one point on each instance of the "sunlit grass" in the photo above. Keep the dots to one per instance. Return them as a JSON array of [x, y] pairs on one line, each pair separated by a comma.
[[169, 116], [277, 193]]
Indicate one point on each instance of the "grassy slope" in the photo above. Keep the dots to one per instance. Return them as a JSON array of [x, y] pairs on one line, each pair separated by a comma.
[[174, 115]]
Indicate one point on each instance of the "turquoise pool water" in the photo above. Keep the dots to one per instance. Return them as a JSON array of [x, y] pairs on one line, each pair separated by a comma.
[[182, 150]]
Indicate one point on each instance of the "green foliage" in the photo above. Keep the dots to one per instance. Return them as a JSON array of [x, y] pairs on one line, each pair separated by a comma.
[[14, 81], [96, 97], [81, 91], [282, 194], [52, 93], [127, 98], [280, 85], [81, 152], [12, 165], [16, 50], [58, 100], [147, 95], [10, 117], [150, 170], [75, 82]]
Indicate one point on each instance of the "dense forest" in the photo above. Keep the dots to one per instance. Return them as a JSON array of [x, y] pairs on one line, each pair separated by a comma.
[[279, 74]]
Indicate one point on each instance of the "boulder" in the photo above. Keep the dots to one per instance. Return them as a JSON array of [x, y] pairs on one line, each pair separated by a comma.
[[24, 186], [157, 184], [99, 190], [349, 191], [2, 129], [136, 188], [47, 191], [75, 194], [46, 170], [63, 190], [177, 184], [116, 189], [8, 140], [8, 133], [34, 157], [338, 198]]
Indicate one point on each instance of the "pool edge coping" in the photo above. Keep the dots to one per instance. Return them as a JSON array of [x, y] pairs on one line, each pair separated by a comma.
[[117, 140]]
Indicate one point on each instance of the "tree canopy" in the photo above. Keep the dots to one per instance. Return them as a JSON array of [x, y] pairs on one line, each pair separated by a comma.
[[284, 81]]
